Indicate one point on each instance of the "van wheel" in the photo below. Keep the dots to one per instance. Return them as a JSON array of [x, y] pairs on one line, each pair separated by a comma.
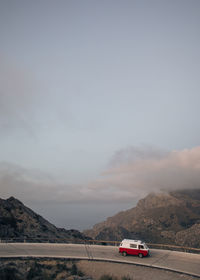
[[140, 255], [124, 254]]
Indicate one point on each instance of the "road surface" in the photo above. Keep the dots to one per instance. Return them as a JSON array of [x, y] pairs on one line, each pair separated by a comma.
[[177, 261]]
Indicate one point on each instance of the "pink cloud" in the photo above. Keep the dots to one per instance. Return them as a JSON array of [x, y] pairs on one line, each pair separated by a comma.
[[171, 171]]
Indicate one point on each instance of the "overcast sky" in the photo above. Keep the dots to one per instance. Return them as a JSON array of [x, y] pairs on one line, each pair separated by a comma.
[[99, 104]]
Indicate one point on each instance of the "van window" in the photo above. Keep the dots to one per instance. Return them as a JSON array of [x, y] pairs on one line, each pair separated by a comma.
[[141, 247], [133, 246]]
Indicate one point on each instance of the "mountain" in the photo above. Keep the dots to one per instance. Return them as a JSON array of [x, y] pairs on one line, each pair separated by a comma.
[[167, 218], [19, 221]]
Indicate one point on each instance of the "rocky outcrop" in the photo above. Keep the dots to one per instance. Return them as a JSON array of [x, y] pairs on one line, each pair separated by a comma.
[[169, 218], [189, 237], [19, 221]]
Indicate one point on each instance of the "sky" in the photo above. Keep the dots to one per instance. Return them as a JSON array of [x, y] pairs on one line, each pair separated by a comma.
[[99, 104]]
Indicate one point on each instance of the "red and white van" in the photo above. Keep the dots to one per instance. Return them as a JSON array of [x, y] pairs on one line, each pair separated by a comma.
[[134, 247]]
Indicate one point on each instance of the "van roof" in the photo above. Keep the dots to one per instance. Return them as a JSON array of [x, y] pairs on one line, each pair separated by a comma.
[[132, 241]]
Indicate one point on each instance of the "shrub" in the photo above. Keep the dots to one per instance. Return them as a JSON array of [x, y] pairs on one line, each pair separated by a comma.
[[107, 277], [126, 278], [62, 266], [74, 269], [8, 274], [34, 271]]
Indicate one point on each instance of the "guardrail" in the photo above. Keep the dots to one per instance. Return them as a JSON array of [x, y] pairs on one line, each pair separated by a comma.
[[174, 248], [96, 242]]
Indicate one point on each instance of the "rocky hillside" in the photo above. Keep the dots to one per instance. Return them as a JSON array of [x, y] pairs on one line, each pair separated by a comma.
[[18, 221], [172, 218]]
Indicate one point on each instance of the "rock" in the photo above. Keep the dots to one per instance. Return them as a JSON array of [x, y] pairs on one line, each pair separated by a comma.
[[189, 237]]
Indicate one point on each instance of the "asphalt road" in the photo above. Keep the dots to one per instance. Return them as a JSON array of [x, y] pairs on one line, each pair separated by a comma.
[[177, 261]]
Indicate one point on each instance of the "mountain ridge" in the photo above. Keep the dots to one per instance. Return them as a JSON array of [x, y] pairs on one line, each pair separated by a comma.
[[19, 221], [168, 218]]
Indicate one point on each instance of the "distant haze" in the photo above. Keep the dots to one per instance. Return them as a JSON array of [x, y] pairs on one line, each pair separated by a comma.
[[99, 104]]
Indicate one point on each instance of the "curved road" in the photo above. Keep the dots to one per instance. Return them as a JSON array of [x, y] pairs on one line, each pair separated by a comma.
[[176, 261]]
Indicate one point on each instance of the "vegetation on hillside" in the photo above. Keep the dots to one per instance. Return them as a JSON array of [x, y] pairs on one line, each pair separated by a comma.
[[46, 270]]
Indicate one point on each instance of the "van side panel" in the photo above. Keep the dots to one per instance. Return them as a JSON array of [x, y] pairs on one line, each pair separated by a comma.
[[131, 251]]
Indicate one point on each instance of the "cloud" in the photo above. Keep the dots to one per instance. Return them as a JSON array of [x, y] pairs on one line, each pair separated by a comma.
[[34, 185], [133, 154], [17, 97], [125, 181], [141, 171]]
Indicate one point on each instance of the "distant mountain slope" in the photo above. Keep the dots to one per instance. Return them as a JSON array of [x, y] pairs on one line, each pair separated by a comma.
[[19, 221], [172, 218]]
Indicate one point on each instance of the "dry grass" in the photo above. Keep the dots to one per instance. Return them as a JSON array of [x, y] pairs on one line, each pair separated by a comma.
[[131, 272]]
